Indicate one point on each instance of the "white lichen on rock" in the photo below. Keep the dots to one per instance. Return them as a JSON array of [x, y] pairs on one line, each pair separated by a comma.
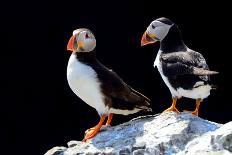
[[164, 134]]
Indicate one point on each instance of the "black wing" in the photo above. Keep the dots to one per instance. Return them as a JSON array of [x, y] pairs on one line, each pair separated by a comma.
[[113, 86], [181, 63]]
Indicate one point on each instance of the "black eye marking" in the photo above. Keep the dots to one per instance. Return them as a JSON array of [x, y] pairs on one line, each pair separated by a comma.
[[153, 26], [86, 35], [75, 43]]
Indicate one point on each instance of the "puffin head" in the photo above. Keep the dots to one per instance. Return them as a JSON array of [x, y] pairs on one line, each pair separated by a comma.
[[156, 31], [82, 40]]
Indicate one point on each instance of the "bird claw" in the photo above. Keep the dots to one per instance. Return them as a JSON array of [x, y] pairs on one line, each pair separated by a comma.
[[90, 133], [90, 129], [174, 109], [192, 112]]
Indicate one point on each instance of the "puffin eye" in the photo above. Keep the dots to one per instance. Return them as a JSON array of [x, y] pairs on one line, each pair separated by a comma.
[[86, 35], [152, 26]]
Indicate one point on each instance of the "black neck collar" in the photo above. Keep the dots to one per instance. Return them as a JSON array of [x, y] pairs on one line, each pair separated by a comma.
[[86, 56], [173, 41]]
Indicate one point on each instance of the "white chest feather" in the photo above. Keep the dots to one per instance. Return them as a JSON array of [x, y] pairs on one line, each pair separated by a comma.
[[83, 81], [199, 92], [157, 64]]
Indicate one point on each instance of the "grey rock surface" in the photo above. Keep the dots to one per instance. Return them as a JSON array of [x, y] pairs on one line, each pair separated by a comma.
[[163, 134]]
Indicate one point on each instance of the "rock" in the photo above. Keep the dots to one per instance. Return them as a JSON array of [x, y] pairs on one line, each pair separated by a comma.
[[164, 134], [56, 151]]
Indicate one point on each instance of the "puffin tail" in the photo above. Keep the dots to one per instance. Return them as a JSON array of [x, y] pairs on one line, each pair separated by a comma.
[[201, 71], [213, 87], [143, 104], [141, 101], [144, 108], [147, 100]]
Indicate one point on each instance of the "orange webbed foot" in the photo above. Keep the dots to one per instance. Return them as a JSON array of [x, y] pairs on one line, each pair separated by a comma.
[[90, 133], [195, 112], [173, 107]]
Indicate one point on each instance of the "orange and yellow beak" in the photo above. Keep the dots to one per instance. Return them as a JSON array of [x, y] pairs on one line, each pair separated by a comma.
[[147, 39], [73, 45], [70, 44]]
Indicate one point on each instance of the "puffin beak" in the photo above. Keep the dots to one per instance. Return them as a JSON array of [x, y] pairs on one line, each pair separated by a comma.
[[70, 44], [147, 39], [79, 44]]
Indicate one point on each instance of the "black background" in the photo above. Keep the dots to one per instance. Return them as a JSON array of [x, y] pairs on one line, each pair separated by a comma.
[[39, 110]]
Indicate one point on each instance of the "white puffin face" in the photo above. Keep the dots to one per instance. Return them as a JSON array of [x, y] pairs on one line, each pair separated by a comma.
[[158, 30], [82, 40]]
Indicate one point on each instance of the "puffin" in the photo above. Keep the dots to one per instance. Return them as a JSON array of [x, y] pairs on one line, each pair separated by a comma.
[[97, 85], [183, 70]]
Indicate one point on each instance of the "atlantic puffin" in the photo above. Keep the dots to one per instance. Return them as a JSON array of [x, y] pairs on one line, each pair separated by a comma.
[[97, 85], [184, 71]]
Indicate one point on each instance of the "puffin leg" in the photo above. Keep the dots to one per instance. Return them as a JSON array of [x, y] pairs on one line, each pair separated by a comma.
[[195, 112], [198, 102], [93, 131], [110, 116], [173, 106]]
